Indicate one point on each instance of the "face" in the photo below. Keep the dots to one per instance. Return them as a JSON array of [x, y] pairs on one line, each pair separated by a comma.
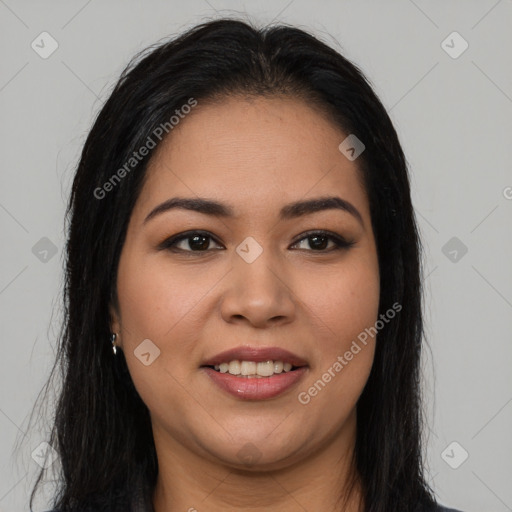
[[254, 278]]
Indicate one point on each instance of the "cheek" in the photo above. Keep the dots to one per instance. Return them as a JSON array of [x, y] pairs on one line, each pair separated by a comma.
[[345, 301], [344, 306], [166, 305], [156, 305], [157, 299]]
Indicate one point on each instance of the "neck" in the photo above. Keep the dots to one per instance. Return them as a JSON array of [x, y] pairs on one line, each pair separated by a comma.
[[190, 482]]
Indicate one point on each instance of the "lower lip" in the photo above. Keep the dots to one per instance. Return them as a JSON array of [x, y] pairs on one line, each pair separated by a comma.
[[256, 389]]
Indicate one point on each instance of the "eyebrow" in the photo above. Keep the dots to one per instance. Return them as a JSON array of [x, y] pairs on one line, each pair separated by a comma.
[[289, 211]]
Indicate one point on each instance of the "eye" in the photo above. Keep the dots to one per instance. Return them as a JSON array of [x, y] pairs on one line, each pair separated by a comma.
[[196, 241], [318, 241]]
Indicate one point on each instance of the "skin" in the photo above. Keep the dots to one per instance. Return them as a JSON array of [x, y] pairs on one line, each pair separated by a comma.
[[256, 155]]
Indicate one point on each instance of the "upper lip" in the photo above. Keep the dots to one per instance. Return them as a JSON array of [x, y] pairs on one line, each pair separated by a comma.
[[256, 354]]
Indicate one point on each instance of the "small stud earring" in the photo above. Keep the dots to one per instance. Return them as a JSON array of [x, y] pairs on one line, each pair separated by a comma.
[[113, 337]]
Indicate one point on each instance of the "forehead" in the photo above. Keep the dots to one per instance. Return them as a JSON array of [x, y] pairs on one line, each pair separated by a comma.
[[253, 154]]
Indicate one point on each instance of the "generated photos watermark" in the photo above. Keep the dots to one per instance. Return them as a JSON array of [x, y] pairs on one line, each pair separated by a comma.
[[305, 397], [137, 156]]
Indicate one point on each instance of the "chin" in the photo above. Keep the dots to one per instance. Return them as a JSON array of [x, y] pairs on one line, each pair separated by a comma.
[[262, 452]]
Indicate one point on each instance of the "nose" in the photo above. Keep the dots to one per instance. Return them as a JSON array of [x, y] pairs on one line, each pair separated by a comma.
[[258, 293]]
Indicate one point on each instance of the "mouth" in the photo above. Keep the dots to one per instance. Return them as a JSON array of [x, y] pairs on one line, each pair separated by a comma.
[[255, 373]]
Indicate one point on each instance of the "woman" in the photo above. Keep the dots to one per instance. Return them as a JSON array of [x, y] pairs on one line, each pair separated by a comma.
[[243, 288]]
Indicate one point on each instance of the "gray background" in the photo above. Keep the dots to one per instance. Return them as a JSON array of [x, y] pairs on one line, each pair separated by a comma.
[[453, 118]]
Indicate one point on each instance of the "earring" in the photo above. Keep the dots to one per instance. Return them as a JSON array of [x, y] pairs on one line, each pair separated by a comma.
[[113, 340]]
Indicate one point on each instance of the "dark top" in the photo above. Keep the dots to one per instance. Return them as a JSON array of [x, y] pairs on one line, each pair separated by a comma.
[[440, 508]]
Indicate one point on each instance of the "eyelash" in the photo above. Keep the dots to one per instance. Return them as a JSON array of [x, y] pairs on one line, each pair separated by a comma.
[[340, 243]]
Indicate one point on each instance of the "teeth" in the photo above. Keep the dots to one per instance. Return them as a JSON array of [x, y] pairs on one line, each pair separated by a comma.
[[250, 368], [224, 367]]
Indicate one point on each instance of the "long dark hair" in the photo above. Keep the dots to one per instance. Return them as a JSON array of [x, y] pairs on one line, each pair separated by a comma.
[[102, 429]]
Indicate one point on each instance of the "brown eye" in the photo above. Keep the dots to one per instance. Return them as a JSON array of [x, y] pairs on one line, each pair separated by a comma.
[[192, 241], [318, 241]]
